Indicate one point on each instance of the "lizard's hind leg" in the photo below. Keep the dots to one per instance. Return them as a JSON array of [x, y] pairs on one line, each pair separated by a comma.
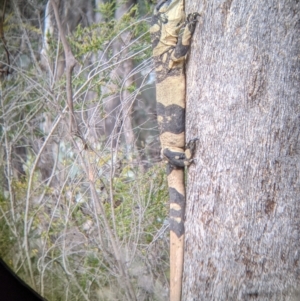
[[181, 159]]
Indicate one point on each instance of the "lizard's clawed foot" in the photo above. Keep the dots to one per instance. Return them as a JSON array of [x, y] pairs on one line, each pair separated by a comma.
[[192, 19], [193, 161], [190, 148], [191, 144]]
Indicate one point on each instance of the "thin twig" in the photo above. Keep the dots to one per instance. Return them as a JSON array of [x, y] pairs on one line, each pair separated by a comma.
[[70, 64], [30, 181]]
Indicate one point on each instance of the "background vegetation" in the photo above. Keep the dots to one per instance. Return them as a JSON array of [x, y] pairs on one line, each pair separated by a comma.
[[83, 199]]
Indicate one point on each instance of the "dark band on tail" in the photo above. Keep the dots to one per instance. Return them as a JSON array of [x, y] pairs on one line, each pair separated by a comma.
[[177, 215]]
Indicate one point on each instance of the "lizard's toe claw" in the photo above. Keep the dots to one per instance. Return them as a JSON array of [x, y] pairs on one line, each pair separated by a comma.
[[192, 17], [192, 141], [194, 161]]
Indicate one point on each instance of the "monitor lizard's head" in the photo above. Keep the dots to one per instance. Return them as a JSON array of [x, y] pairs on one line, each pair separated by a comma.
[[168, 17]]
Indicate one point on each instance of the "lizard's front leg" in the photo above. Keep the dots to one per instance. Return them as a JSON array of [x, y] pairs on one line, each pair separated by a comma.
[[184, 41]]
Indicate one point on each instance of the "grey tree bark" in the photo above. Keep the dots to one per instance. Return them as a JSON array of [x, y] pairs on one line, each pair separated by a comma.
[[243, 196]]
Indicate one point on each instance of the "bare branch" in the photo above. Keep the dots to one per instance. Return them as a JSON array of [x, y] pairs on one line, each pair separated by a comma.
[[70, 64]]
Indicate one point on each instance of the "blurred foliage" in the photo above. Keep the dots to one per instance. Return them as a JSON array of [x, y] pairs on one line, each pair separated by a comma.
[[68, 246]]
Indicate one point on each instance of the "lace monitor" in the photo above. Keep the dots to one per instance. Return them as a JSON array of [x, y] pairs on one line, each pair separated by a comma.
[[171, 34]]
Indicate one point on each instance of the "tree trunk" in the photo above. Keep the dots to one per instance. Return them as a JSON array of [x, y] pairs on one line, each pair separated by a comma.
[[243, 197]]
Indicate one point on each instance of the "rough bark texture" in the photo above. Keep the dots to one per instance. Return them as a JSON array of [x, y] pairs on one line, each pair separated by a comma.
[[243, 205]]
